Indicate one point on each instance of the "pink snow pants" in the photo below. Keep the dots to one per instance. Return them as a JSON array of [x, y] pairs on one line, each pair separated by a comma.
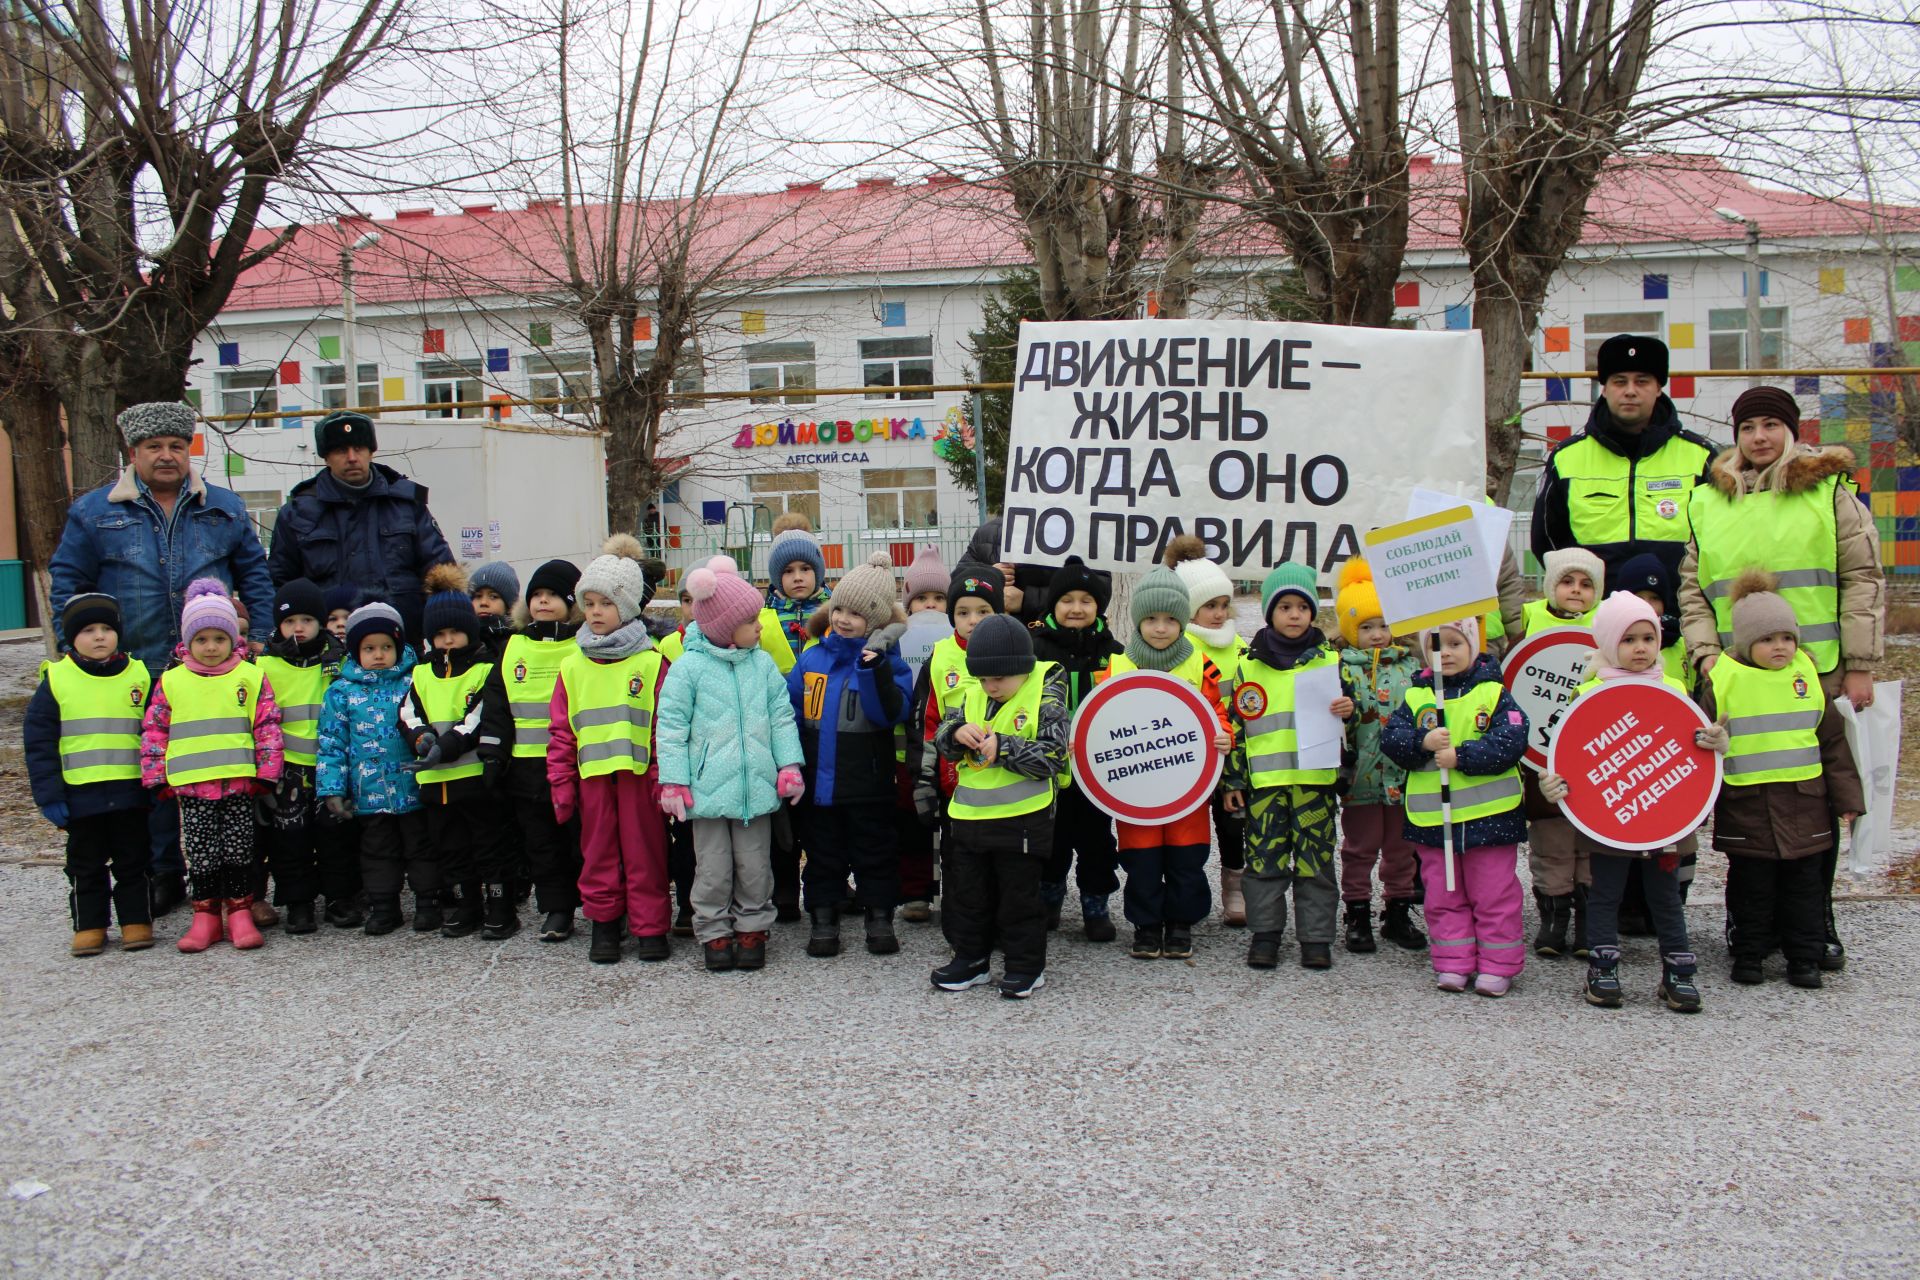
[[1369, 831], [1476, 928], [623, 852]]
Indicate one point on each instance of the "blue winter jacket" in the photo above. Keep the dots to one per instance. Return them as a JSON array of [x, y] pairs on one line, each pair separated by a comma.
[[361, 748], [725, 727], [1495, 751], [118, 541], [847, 710], [381, 539], [41, 740]]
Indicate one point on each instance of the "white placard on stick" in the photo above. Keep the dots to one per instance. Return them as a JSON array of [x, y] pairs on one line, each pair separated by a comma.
[[1432, 570]]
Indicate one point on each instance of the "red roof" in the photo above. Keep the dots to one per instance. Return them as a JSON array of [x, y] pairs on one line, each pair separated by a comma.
[[878, 226]]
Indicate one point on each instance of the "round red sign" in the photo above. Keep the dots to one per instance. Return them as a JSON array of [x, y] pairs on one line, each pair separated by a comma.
[[1143, 748], [1635, 778], [1541, 672]]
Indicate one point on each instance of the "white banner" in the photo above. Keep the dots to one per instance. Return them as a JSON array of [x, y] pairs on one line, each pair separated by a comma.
[[1270, 441]]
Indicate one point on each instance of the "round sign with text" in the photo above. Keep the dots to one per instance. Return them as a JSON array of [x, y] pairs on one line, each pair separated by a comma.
[[1635, 778], [1541, 672], [1142, 748]]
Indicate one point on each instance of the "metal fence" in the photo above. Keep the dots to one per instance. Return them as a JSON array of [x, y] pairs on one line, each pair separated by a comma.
[[840, 548]]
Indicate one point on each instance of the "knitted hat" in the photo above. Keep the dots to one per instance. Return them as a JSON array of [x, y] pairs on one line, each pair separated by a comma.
[[1648, 572], [342, 430], [449, 605], [793, 540], [616, 574], [1610, 622], [345, 596], [498, 577], [375, 619], [1556, 565], [1288, 577], [999, 646], [1758, 611], [722, 600], [1630, 353], [928, 572], [209, 608], [1355, 599], [296, 598], [87, 608], [558, 576], [867, 591], [1468, 627], [155, 418], [1187, 556], [1767, 402], [1160, 591], [1075, 576], [990, 587]]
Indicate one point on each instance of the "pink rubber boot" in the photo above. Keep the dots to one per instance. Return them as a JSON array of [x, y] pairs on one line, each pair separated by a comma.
[[240, 925], [205, 929]]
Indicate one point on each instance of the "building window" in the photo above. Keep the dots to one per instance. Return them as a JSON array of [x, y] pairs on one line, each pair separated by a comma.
[[252, 391], [263, 507], [689, 373], [568, 374], [1601, 325], [780, 366], [900, 498], [333, 386], [896, 362], [776, 493], [1727, 338], [450, 382]]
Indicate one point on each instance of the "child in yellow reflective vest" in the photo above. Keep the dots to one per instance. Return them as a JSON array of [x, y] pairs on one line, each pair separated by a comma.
[[1789, 777], [82, 746], [212, 740], [923, 589], [600, 758], [1211, 627], [1574, 578]]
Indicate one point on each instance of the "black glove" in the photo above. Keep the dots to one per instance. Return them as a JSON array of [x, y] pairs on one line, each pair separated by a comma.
[[269, 801], [427, 744], [337, 810], [429, 758]]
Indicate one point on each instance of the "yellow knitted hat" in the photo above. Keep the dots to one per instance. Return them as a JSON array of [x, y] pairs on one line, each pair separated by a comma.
[[1355, 599]]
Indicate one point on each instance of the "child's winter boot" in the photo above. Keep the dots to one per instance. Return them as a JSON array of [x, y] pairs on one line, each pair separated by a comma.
[[1360, 928], [881, 939], [1148, 943], [1555, 911], [1095, 917], [1804, 973], [719, 953], [383, 914], [464, 919], [88, 942], [1264, 951], [556, 926], [1316, 955], [300, 918], [136, 937], [205, 929], [1397, 926], [824, 938], [651, 947], [1233, 900], [1580, 949], [1677, 987], [750, 950], [241, 929], [503, 917], [427, 915], [1178, 943], [916, 911], [1603, 978], [1052, 896], [605, 947]]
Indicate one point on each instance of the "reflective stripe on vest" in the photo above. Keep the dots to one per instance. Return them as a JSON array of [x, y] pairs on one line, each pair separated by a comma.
[[990, 791], [298, 692], [949, 680], [100, 719], [446, 701], [1795, 538], [1773, 720], [210, 735], [529, 669], [610, 709], [1615, 499], [1472, 795], [1272, 743], [1539, 617]]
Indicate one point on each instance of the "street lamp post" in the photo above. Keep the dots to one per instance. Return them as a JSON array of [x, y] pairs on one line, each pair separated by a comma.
[[1753, 287], [352, 369]]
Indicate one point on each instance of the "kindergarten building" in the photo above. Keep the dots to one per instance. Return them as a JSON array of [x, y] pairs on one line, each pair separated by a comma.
[[878, 285]]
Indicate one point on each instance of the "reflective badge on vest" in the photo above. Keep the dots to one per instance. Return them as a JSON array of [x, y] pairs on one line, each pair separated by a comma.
[[633, 687], [1250, 700], [240, 694], [1429, 718], [953, 678], [1480, 722], [136, 695], [1019, 721], [1668, 508], [1799, 686], [520, 673]]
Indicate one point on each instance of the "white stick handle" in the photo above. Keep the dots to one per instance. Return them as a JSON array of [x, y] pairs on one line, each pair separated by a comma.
[[1446, 798]]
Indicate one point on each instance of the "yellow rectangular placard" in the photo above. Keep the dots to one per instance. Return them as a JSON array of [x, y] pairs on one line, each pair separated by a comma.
[[1432, 569]]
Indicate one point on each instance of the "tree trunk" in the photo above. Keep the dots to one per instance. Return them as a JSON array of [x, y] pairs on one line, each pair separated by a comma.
[[629, 464], [30, 411], [1506, 333], [92, 403]]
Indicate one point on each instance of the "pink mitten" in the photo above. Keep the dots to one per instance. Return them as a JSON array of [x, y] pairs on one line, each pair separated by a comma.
[[675, 800], [566, 801], [790, 786]]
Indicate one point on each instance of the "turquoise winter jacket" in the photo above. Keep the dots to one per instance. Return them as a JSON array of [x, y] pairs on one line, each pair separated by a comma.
[[725, 728]]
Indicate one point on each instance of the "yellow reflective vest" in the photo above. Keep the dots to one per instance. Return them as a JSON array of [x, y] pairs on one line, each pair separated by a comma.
[[445, 701], [100, 718], [947, 674], [1773, 720], [1473, 795], [1539, 616], [529, 669], [298, 693], [1791, 535], [211, 718], [1226, 658], [1611, 499], [991, 791], [610, 709], [1264, 703]]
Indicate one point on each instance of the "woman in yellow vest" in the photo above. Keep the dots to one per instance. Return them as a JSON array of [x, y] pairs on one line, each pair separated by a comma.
[[1474, 929], [600, 758], [1789, 776], [212, 740], [461, 734], [82, 746], [1792, 508], [523, 681]]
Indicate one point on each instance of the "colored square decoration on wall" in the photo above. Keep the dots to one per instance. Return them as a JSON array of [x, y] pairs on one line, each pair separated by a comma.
[[289, 373], [229, 353], [1909, 328], [1882, 454], [289, 422], [1681, 388], [1406, 293], [1559, 390], [1153, 304], [392, 389], [1680, 337], [1906, 279], [1766, 283], [1556, 338], [539, 333], [433, 342], [1653, 287], [1809, 431], [1857, 329], [1855, 383], [1459, 315], [1806, 386], [193, 398], [753, 322], [504, 411], [643, 328], [1559, 435], [1906, 502], [713, 511], [834, 554], [497, 360], [1833, 279], [236, 465], [893, 315], [1833, 404], [329, 348], [198, 449]]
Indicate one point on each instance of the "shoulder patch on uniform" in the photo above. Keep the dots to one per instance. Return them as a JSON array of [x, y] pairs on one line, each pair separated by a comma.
[[1250, 700]]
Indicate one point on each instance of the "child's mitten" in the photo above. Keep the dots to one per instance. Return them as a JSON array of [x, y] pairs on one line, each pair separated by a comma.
[[1714, 737], [675, 799], [790, 785]]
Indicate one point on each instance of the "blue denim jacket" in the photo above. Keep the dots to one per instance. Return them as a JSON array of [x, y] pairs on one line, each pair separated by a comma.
[[118, 540]]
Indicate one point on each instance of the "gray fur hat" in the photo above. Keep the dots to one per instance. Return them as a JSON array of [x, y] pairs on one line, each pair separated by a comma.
[[155, 418]]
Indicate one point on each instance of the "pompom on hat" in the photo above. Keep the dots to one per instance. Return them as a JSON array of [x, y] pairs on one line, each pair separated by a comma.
[[722, 600], [928, 572], [1758, 611], [1356, 599], [616, 574], [209, 608], [1187, 557], [868, 591], [449, 607]]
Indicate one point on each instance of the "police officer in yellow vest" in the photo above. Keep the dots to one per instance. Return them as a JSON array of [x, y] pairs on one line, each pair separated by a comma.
[[82, 745], [462, 738], [1621, 486]]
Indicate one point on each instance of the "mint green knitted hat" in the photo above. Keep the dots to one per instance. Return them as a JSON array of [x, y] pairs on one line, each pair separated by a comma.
[[1161, 591], [1286, 577]]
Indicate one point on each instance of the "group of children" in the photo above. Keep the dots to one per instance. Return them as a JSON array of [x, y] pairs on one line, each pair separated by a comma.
[[570, 747]]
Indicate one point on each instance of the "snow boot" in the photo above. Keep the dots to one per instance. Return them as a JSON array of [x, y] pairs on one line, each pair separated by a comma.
[[557, 926], [1178, 944], [607, 936], [1264, 951], [823, 939], [1397, 926], [651, 947], [427, 916], [1360, 928], [1804, 973], [1233, 901], [383, 914], [1603, 978], [1555, 911], [881, 939], [1052, 896], [683, 921], [1316, 955], [300, 919], [344, 913], [1148, 943], [1095, 917], [750, 950], [1580, 949], [719, 954], [916, 911], [503, 914], [1677, 988], [241, 929], [136, 937], [205, 929], [958, 974], [88, 942], [464, 920]]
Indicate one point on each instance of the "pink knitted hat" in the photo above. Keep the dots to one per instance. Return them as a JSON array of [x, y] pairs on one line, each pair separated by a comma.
[[1610, 622], [1468, 627], [928, 572], [722, 600], [209, 608]]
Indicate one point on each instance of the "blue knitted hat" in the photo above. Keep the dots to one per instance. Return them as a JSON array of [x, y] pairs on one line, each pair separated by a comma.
[[796, 544]]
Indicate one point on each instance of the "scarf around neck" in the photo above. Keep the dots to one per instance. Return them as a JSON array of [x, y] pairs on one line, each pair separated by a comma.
[[1148, 658], [623, 641], [1219, 637]]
